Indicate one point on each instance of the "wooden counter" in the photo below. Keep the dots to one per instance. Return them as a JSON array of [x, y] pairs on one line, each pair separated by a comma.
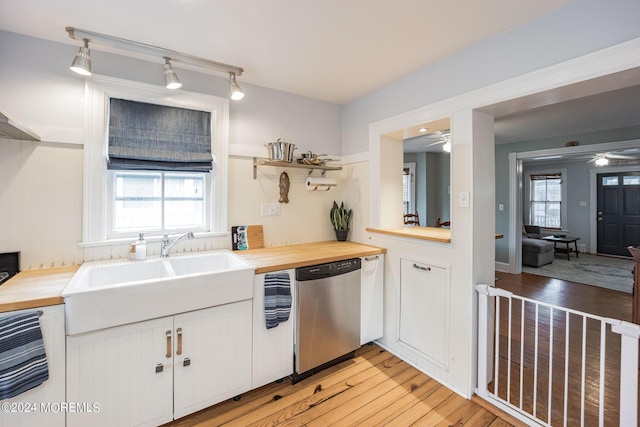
[[35, 288], [433, 234], [292, 256], [39, 288]]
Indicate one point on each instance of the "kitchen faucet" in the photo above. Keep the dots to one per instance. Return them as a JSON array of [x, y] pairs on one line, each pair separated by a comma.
[[168, 244]]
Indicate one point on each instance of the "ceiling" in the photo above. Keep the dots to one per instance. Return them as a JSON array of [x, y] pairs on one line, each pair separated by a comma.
[[330, 50], [337, 51]]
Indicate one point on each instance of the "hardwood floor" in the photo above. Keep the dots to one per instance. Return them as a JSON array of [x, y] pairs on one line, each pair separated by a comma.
[[373, 389], [378, 389], [589, 299]]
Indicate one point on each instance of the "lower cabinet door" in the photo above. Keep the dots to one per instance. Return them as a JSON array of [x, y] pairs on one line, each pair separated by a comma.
[[42, 405], [212, 356], [125, 374], [372, 298], [425, 310], [272, 348]]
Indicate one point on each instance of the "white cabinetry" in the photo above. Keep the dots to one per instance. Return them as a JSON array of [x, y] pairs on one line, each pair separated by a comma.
[[272, 348], [371, 305], [40, 406], [151, 372], [425, 309]]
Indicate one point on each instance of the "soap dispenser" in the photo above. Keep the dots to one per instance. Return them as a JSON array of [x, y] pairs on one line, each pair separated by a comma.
[[141, 248]]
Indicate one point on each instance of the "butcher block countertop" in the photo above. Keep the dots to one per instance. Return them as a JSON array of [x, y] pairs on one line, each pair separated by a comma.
[[293, 256], [40, 288], [433, 234], [35, 288]]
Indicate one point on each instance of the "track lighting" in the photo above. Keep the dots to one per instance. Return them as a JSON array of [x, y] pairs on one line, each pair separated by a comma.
[[171, 80], [236, 93], [82, 62], [446, 147]]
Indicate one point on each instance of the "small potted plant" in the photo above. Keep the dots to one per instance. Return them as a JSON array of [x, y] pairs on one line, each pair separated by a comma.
[[340, 217]]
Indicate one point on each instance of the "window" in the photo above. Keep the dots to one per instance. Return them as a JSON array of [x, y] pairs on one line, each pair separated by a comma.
[[121, 202], [158, 201], [545, 198], [158, 140]]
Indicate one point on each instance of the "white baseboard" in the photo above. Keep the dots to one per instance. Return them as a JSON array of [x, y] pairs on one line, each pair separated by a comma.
[[502, 267]]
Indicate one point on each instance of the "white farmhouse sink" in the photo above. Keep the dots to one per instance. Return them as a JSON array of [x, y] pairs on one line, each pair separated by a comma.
[[103, 294]]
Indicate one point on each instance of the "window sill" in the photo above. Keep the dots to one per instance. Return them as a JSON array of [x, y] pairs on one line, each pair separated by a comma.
[[129, 240]]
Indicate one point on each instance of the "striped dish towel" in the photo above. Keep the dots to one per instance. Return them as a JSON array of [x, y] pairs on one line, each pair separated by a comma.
[[23, 362], [277, 298]]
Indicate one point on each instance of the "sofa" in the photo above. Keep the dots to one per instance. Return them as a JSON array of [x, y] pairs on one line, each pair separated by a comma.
[[535, 251]]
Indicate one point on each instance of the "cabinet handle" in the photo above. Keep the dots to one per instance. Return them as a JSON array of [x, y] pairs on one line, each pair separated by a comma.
[[168, 355], [419, 267], [371, 258], [179, 332]]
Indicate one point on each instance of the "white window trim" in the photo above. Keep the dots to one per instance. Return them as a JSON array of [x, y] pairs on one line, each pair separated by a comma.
[[563, 193], [412, 185], [98, 90]]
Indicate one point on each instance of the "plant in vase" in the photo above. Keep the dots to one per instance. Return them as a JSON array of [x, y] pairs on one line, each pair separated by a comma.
[[340, 218]]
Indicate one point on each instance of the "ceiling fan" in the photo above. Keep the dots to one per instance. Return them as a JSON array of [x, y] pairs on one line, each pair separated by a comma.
[[439, 137], [605, 159]]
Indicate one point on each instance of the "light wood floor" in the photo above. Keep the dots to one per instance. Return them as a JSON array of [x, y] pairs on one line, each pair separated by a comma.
[[373, 389], [377, 389]]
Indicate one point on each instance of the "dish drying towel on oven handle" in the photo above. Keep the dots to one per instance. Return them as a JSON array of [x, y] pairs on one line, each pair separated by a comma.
[[277, 298], [23, 361]]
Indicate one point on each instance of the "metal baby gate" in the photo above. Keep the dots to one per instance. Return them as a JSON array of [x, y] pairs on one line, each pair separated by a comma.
[[549, 365]]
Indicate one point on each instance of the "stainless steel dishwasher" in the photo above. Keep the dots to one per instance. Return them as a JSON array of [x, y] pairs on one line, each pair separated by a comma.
[[328, 315]]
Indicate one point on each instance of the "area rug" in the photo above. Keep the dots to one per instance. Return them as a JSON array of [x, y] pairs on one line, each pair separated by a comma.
[[595, 270]]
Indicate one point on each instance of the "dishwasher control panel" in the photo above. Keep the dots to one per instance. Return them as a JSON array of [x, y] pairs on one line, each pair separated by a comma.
[[328, 270]]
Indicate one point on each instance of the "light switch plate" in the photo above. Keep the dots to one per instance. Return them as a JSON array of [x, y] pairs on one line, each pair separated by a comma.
[[274, 209], [463, 199]]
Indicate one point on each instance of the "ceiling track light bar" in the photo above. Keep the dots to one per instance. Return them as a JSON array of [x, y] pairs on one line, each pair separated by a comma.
[[116, 42]]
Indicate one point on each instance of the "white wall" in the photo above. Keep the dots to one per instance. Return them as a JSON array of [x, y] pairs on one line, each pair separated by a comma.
[[573, 30], [563, 35], [41, 183]]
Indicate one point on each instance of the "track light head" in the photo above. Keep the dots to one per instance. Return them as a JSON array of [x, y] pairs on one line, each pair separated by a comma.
[[82, 62], [236, 93], [602, 161], [171, 80]]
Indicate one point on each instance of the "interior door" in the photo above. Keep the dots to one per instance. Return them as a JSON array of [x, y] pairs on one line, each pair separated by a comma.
[[618, 212]]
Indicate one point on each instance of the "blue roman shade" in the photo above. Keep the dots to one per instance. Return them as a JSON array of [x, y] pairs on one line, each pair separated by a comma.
[[155, 137]]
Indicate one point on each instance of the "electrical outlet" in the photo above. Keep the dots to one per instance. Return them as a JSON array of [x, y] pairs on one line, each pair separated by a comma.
[[264, 209], [274, 209]]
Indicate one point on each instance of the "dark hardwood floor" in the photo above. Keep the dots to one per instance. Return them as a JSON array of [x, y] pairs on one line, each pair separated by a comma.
[[589, 299], [577, 296]]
